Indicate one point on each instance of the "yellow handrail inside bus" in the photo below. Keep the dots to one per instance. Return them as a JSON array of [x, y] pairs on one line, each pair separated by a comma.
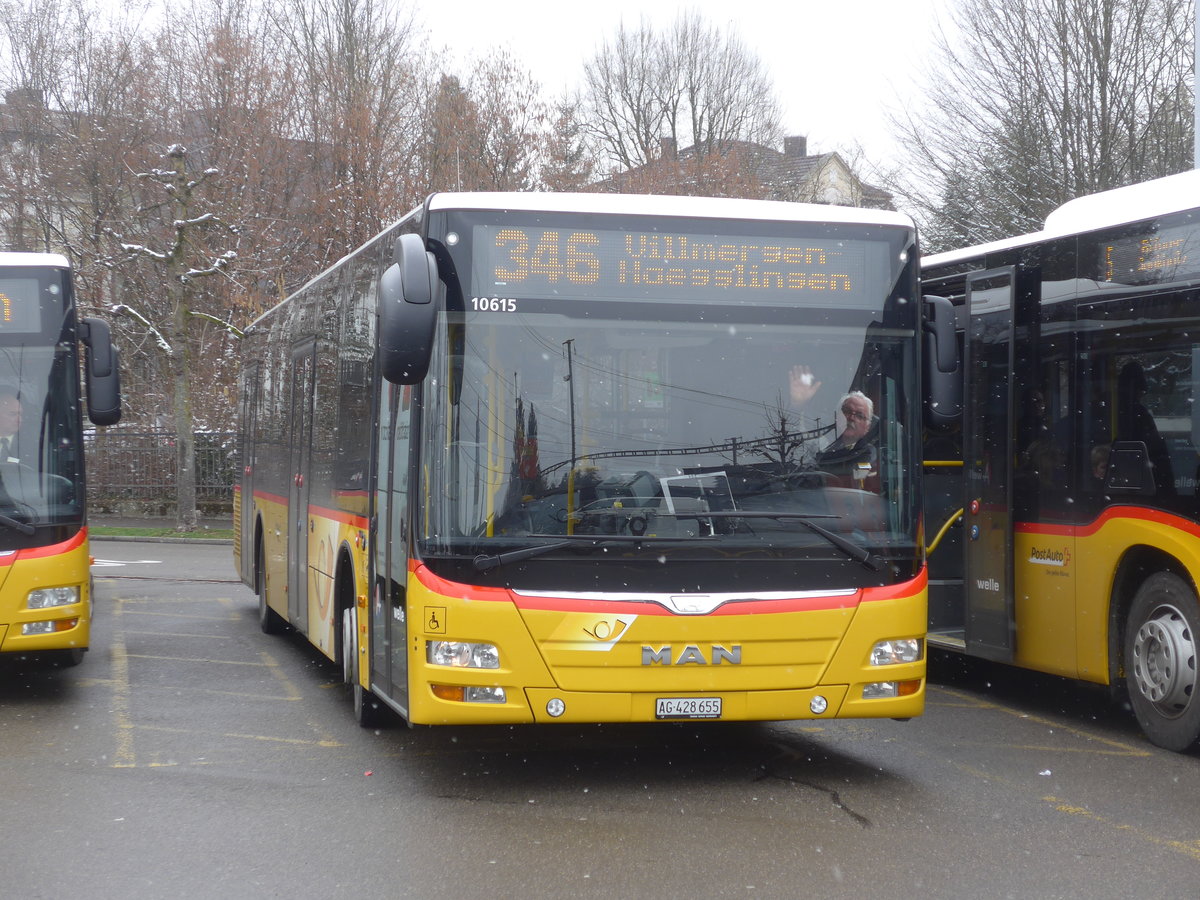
[[943, 463], [571, 500], [942, 531], [497, 477]]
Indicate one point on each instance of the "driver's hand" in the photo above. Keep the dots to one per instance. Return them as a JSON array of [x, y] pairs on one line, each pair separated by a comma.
[[803, 385]]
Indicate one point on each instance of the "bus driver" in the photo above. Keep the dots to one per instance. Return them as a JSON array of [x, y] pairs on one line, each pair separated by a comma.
[[853, 452]]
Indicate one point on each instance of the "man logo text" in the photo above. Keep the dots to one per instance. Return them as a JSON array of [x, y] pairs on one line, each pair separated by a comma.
[[691, 655]]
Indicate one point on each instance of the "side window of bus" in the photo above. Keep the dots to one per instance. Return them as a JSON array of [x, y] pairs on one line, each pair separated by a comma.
[[1145, 398], [1043, 436], [1153, 407]]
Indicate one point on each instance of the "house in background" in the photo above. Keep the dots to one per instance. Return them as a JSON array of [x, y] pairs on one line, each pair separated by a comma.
[[744, 169]]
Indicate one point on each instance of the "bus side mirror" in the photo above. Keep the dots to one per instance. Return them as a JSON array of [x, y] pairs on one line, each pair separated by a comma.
[[101, 372], [942, 373], [407, 312]]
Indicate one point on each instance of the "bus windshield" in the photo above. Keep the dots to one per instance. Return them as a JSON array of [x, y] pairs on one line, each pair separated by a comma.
[[40, 465], [626, 392]]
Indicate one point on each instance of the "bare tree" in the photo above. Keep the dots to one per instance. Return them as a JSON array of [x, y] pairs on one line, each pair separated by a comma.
[[1034, 102], [724, 90], [567, 161], [512, 124], [691, 83], [224, 93], [623, 94], [491, 132], [450, 117], [175, 250], [785, 441], [324, 119], [358, 101], [75, 88]]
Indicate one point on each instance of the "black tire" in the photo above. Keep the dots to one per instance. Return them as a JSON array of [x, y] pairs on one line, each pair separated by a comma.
[[268, 620], [1161, 638], [369, 710], [66, 659]]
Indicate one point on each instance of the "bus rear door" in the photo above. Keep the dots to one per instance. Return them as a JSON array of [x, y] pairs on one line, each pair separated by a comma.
[[303, 367], [988, 465]]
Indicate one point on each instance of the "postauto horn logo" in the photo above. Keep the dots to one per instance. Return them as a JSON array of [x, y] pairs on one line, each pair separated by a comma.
[[1049, 556]]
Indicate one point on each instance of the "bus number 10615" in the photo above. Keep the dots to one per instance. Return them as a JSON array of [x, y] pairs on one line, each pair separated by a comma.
[[493, 304]]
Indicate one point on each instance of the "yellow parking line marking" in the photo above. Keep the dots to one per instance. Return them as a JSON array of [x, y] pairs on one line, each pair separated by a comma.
[[1119, 747], [273, 667], [166, 601], [193, 659], [180, 634], [325, 739], [123, 756], [1187, 848], [301, 742], [323, 742], [177, 689], [153, 612]]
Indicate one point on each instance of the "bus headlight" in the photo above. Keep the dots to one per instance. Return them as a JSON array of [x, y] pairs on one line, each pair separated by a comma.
[[894, 652], [53, 626], [881, 690], [461, 694], [462, 655], [46, 598]]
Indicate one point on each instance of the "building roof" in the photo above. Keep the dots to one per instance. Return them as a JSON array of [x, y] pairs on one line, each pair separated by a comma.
[[790, 175]]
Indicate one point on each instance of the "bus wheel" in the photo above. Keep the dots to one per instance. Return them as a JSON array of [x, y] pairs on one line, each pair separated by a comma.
[[349, 646], [65, 659], [368, 711], [268, 620], [1160, 661]]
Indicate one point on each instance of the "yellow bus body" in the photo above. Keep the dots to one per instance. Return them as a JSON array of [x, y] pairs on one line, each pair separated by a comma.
[[591, 655], [329, 532], [1064, 609], [58, 565]]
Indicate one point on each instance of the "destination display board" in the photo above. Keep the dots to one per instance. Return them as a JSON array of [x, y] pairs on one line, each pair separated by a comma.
[[512, 262], [20, 305], [1160, 256]]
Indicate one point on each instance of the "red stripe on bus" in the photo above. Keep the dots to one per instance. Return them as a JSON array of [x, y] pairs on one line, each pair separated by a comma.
[[338, 515], [1113, 513], [51, 550], [448, 588]]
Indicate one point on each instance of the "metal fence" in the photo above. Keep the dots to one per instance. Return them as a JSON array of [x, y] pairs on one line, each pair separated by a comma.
[[135, 472]]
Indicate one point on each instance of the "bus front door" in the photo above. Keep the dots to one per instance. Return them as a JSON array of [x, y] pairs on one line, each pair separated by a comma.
[[303, 367], [248, 417], [988, 465], [389, 609]]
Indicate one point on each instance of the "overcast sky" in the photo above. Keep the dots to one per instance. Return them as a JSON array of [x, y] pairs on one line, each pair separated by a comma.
[[837, 67]]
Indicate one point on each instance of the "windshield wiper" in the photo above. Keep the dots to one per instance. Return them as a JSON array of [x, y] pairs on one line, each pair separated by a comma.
[[854, 551], [484, 562], [10, 522]]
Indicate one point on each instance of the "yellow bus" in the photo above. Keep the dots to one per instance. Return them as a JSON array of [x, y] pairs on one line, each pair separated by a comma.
[[1074, 463], [578, 458], [45, 596]]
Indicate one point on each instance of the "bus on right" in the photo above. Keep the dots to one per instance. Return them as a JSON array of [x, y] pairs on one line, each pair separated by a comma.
[[1062, 510]]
